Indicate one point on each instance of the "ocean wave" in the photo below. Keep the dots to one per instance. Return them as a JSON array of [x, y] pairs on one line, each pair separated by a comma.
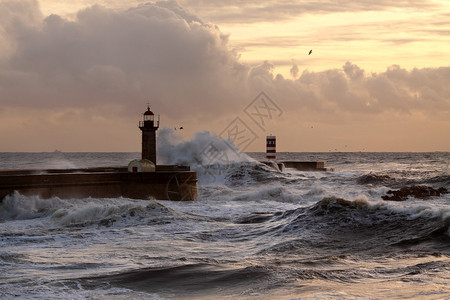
[[19, 207], [191, 279], [441, 180], [357, 213], [96, 212], [333, 223], [441, 234], [231, 174], [85, 212], [12, 258], [245, 173], [375, 179], [275, 192]]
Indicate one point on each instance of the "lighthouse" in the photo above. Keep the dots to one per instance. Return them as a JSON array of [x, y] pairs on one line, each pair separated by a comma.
[[148, 127], [271, 147]]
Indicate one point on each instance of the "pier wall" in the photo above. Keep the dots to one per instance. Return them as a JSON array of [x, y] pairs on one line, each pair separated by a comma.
[[298, 165], [100, 183], [305, 165]]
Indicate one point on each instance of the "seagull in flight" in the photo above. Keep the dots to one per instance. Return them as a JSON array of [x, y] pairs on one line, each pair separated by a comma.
[[310, 51]]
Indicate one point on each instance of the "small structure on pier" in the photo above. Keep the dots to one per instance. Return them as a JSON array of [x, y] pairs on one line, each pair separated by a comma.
[[141, 165]]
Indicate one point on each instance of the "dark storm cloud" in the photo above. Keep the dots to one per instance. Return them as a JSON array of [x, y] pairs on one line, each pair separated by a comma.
[[154, 52], [163, 54]]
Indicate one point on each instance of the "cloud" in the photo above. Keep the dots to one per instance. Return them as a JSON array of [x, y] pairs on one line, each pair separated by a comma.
[[163, 54], [349, 89], [153, 52], [279, 10], [108, 63]]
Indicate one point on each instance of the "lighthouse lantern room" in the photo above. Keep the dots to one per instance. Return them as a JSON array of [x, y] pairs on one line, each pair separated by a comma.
[[148, 127]]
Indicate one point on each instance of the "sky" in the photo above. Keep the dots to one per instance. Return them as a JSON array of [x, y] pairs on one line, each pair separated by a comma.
[[77, 75]]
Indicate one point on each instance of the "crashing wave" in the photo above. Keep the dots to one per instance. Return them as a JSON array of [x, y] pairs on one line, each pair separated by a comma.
[[374, 179]]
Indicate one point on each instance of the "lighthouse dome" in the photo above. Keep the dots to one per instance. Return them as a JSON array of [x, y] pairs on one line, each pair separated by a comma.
[[148, 112]]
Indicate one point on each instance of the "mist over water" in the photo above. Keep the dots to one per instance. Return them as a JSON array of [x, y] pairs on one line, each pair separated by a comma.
[[254, 233]]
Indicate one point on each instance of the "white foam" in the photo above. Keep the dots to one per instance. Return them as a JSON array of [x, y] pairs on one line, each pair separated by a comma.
[[19, 207], [412, 208], [74, 211], [91, 212], [209, 155], [275, 192], [204, 149]]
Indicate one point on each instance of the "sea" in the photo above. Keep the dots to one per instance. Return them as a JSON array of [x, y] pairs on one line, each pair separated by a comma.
[[253, 233]]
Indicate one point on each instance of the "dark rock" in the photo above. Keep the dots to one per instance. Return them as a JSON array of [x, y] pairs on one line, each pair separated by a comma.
[[417, 191]]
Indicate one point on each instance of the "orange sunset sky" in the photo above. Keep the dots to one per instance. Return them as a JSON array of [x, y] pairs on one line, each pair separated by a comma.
[[76, 75]]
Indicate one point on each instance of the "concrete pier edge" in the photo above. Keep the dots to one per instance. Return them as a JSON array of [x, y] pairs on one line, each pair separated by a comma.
[[281, 165]]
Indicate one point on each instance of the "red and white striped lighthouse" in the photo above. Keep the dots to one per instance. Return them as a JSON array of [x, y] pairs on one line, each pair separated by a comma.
[[271, 148]]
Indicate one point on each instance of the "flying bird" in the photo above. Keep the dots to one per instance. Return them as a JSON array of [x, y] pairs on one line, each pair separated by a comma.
[[310, 51]]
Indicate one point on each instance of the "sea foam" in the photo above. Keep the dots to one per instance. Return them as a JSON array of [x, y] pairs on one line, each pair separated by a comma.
[[206, 153]]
